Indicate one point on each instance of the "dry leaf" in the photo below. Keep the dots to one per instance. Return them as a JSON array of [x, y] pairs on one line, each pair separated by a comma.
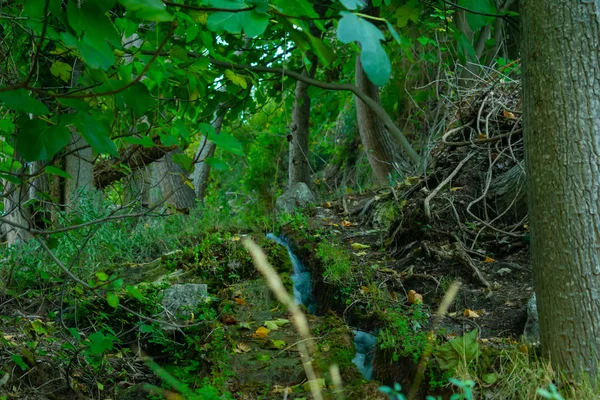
[[228, 320], [524, 349], [242, 347], [239, 300], [508, 114], [364, 289], [489, 260], [261, 333], [482, 136], [359, 246], [414, 297], [327, 205], [470, 313], [346, 223], [454, 189]]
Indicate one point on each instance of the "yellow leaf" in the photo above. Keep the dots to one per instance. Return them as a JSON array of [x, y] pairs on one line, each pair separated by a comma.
[[359, 246], [470, 313], [189, 183], [236, 79], [261, 333], [508, 114], [489, 260], [360, 254], [346, 223], [454, 189], [414, 297]]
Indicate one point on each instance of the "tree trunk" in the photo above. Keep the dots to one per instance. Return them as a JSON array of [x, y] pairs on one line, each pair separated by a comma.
[[80, 165], [299, 169], [169, 179], [561, 86], [15, 212], [206, 150], [382, 149]]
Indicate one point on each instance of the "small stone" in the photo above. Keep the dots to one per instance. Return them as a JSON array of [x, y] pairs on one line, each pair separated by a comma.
[[504, 271]]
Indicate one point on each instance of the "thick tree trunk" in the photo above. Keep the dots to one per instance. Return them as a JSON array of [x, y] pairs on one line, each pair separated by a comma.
[[561, 87], [80, 165], [169, 182], [299, 169], [381, 147], [206, 150]]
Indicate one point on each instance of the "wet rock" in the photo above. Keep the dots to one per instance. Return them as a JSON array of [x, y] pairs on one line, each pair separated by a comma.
[[532, 326], [297, 197]]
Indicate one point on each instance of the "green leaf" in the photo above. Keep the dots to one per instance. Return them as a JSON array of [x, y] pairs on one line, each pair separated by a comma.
[[99, 343], [98, 56], [112, 299], [374, 60], [138, 98], [465, 48], [61, 70], [77, 104], [227, 143], [299, 8], [146, 328], [142, 140], [95, 131], [102, 276], [6, 125], [17, 359], [251, 22], [11, 178], [57, 171], [217, 164], [323, 51], [134, 292], [478, 21], [353, 4], [21, 100], [37, 140], [149, 10], [184, 160], [408, 12]]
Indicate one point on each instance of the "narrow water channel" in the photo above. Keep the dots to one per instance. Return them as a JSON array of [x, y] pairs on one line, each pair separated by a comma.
[[364, 342]]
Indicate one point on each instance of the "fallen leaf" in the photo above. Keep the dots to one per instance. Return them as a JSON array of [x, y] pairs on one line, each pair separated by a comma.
[[245, 325], [228, 320], [454, 189], [346, 223], [524, 349], [414, 297], [327, 205], [364, 289], [359, 246], [235, 239], [360, 254], [489, 260], [274, 344], [281, 389], [508, 114], [261, 333], [242, 347], [470, 313], [482, 136], [239, 300]]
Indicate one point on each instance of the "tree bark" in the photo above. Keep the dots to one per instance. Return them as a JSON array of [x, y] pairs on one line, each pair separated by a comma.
[[299, 169], [561, 86], [206, 150], [80, 165], [169, 183], [381, 147], [15, 212]]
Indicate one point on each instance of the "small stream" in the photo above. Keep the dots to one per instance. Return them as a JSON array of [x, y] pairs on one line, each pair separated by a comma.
[[364, 342]]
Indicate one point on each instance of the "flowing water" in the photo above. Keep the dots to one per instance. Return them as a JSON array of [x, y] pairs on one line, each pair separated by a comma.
[[364, 342]]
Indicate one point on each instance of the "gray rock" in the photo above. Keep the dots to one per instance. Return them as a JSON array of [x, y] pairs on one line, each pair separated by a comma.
[[297, 197], [504, 271], [532, 326], [181, 300]]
